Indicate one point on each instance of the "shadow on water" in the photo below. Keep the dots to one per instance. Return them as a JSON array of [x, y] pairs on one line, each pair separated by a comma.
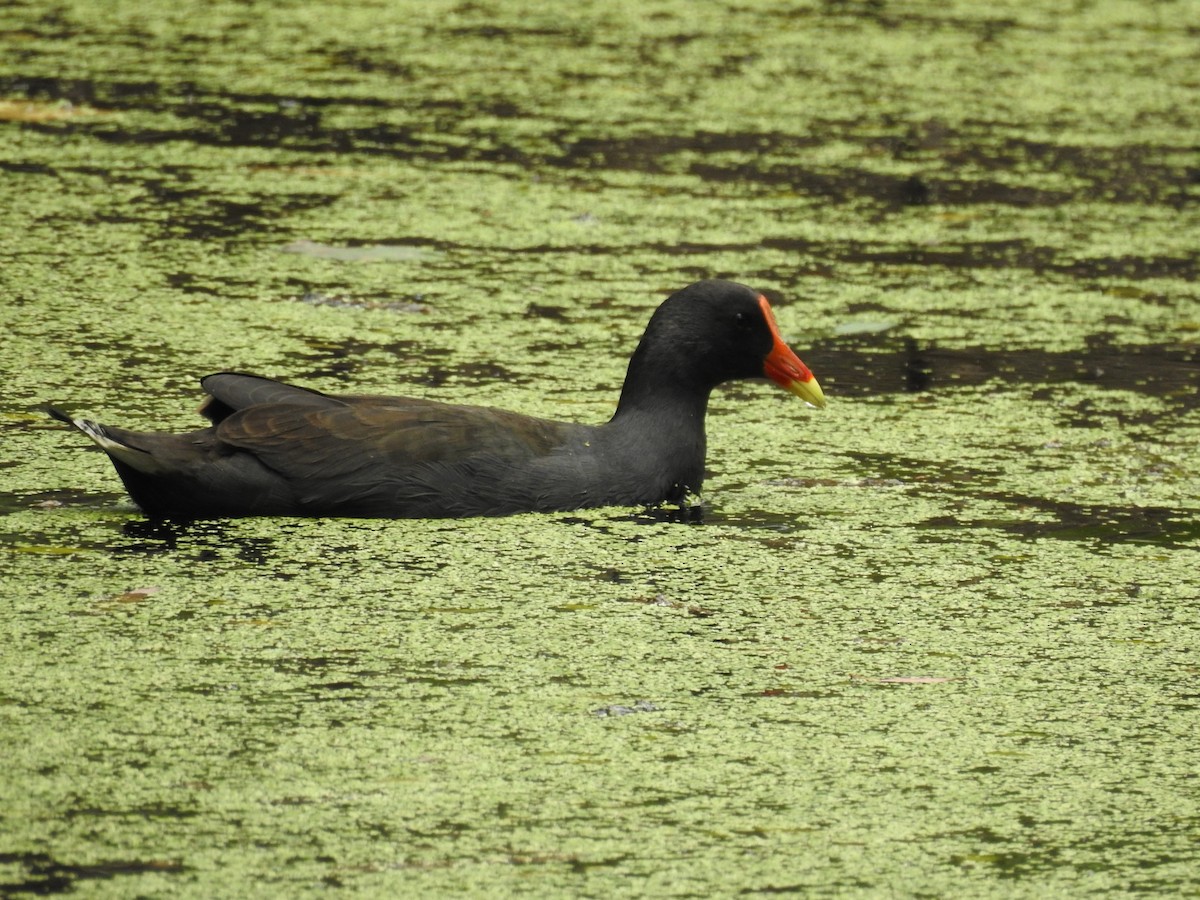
[[199, 541], [204, 541]]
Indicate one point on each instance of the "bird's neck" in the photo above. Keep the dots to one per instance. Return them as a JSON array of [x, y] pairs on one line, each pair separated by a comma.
[[664, 407], [661, 387], [658, 429]]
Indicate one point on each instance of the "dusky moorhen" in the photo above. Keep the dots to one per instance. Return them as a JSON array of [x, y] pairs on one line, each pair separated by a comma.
[[278, 450]]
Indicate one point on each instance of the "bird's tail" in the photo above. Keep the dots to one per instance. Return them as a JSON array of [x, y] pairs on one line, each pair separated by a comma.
[[119, 448]]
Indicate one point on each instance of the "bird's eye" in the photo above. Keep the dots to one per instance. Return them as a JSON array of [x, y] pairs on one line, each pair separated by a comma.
[[741, 321]]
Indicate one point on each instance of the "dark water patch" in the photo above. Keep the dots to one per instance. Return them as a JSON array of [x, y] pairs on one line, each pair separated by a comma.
[[550, 348], [272, 122], [445, 681], [508, 32], [1010, 865], [471, 374], [1131, 173], [180, 203], [46, 875], [669, 514], [149, 811], [847, 185], [358, 251], [185, 98], [26, 168], [11, 501], [1074, 521], [313, 665], [356, 348], [285, 124], [1014, 253], [340, 294], [1136, 173], [345, 358], [341, 301], [209, 285], [209, 217], [546, 311], [777, 524], [1160, 526], [195, 211], [364, 61], [823, 258], [850, 12], [336, 687], [1126, 174], [880, 364], [650, 153], [81, 91]]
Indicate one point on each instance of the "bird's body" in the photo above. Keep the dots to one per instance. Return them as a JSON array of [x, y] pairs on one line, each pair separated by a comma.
[[277, 449]]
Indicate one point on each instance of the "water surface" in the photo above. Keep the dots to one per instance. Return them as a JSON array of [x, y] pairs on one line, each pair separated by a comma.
[[936, 640]]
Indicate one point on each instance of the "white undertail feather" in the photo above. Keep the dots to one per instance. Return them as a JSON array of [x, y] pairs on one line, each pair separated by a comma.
[[131, 456]]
